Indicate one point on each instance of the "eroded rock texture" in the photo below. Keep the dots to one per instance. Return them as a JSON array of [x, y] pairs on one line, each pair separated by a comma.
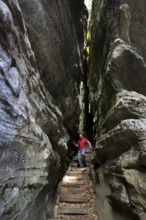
[[117, 83], [38, 102], [57, 28]]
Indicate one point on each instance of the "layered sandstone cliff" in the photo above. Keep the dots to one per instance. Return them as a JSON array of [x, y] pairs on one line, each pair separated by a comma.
[[40, 72], [117, 85]]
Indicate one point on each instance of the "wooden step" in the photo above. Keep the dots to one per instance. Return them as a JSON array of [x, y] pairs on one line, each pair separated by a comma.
[[73, 199], [73, 211], [74, 172], [78, 169], [70, 190], [69, 177], [53, 219], [75, 183], [74, 164], [78, 217]]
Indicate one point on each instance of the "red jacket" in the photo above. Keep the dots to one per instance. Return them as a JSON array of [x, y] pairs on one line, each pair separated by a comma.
[[82, 143]]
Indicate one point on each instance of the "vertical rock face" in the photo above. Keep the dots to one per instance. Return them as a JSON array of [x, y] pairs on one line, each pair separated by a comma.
[[38, 102], [117, 83], [56, 28]]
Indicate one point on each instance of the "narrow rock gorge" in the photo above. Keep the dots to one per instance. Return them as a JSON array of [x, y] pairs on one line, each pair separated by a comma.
[[53, 83], [117, 93]]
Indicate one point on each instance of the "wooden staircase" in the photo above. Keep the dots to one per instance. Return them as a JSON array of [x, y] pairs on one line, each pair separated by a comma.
[[74, 200]]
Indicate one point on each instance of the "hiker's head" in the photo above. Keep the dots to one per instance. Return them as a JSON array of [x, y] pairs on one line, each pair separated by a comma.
[[80, 136]]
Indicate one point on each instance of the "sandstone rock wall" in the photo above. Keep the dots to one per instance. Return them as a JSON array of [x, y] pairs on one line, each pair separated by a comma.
[[117, 88], [56, 28], [40, 71]]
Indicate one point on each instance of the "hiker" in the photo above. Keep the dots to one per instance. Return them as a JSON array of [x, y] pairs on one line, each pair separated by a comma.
[[82, 144]]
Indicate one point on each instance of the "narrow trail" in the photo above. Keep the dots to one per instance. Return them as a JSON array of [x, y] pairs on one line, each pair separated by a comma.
[[76, 198]]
